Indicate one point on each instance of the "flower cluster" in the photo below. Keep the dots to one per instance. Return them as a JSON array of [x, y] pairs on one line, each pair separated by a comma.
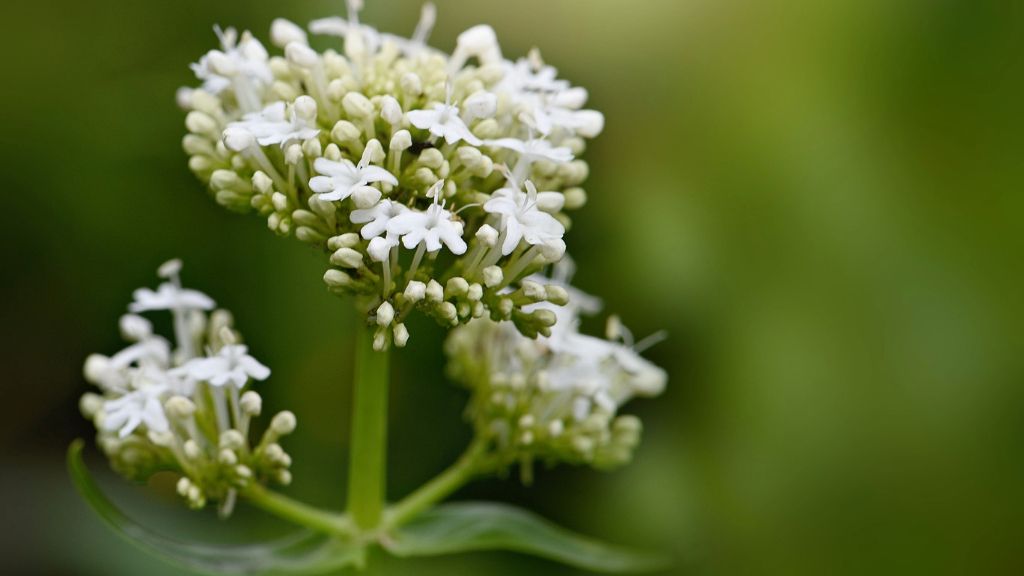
[[553, 398], [185, 408], [434, 182]]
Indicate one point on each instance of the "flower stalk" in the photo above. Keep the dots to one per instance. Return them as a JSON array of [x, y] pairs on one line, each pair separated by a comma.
[[468, 466], [368, 453]]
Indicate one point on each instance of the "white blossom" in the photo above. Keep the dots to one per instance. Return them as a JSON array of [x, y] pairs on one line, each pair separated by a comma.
[[241, 64], [142, 406], [377, 217], [231, 365], [521, 219], [432, 227], [275, 124], [339, 179], [169, 296], [443, 121]]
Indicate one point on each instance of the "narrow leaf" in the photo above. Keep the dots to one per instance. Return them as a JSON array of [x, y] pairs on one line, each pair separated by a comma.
[[305, 552], [472, 526]]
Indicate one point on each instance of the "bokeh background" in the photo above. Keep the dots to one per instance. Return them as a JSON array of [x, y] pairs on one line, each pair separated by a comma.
[[820, 201]]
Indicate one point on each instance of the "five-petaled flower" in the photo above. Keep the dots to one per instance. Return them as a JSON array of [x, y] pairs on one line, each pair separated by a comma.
[[338, 180]]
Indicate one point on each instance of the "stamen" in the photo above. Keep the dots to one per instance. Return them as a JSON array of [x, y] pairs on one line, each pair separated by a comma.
[[656, 338], [428, 16]]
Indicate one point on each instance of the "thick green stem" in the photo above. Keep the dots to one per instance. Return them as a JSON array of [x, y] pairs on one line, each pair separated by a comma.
[[442, 486], [297, 512], [368, 447]]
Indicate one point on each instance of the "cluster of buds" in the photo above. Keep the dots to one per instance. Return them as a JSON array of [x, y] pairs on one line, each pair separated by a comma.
[[431, 181], [185, 407], [554, 398]]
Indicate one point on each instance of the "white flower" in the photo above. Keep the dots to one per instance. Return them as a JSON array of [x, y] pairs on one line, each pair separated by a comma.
[[530, 75], [432, 228], [340, 179], [232, 365], [141, 406], [522, 220], [534, 149], [275, 124], [443, 121], [240, 64], [169, 296], [377, 218]]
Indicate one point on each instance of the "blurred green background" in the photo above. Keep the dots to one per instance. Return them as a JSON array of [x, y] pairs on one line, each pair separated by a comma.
[[820, 201]]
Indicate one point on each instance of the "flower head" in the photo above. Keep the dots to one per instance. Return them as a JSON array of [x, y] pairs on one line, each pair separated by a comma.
[[556, 399], [160, 410], [417, 118]]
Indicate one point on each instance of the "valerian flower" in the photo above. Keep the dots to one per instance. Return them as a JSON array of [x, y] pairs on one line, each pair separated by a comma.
[[521, 219], [157, 410], [339, 179], [345, 141], [553, 399]]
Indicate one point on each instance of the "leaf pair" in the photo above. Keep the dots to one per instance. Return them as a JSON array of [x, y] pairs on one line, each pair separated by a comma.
[[447, 529]]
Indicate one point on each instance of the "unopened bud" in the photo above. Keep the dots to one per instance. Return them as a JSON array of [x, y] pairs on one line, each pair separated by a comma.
[[347, 258], [493, 276], [251, 403], [283, 423], [415, 291], [401, 335], [385, 314]]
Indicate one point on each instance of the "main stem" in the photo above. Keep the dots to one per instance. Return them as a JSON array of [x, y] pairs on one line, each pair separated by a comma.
[[366, 474]]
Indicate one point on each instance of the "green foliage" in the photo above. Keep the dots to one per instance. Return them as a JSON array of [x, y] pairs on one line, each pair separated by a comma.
[[305, 552], [475, 526]]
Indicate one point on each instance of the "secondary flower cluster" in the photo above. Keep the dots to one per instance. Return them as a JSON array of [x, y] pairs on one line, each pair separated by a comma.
[[185, 408], [555, 398], [433, 181]]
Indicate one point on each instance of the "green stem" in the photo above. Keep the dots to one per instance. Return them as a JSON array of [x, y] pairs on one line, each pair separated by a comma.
[[442, 486], [368, 448], [298, 512]]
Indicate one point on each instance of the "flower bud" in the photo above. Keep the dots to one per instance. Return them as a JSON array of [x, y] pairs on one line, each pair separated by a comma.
[[305, 108], [135, 327], [391, 110], [401, 334], [435, 293], [411, 84], [357, 105], [232, 440], [347, 258], [221, 64], [402, 140], [283, 423], [251, 403], [457, 286], [481, 104], [415, 291], [488, 235], [238, 139], [336, 278], [300, 55], [385, 313], [179, 407], [284, 32], [365, 197], [379, 249], [493, 276]]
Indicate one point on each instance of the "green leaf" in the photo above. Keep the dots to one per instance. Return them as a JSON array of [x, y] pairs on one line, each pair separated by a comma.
[[305, 552], [472, 526]]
